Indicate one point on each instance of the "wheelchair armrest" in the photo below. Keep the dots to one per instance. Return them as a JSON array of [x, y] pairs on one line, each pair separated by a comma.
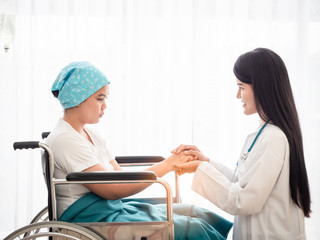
[[111, 176], [139, 159]]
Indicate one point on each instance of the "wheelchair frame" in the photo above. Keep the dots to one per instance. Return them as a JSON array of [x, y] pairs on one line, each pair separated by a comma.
[[42, 226]]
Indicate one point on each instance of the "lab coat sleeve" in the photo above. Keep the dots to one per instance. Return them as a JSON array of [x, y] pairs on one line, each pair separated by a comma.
[[223, 169], [248, 195]]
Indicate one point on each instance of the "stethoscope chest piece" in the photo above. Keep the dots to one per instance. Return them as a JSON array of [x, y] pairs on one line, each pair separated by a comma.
[[244, 156]]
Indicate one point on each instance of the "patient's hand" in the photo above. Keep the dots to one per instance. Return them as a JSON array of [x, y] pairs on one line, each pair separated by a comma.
[[183, 163], [188, 167], [179, 158]]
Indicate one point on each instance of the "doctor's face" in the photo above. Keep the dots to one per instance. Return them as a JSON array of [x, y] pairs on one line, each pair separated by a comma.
[[245, 92]]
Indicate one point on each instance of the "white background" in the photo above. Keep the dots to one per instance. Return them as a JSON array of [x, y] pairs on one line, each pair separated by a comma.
[[170, 66]]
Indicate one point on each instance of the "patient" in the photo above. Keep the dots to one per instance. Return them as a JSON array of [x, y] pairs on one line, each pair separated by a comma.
[[82, 90]]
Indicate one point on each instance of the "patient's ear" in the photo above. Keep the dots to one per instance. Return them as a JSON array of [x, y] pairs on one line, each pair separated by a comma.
[[55, 93]]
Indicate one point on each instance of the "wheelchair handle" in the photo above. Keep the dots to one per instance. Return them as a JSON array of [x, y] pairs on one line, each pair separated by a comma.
[[45, 135], [26, 145]]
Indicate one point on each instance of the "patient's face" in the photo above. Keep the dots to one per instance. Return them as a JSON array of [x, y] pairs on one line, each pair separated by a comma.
[[91, 110]]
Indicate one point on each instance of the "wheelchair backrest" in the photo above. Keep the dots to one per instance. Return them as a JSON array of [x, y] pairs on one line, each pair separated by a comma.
[[45, 161]]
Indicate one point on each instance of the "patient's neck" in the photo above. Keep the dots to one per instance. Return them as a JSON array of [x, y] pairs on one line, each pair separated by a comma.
[[74, 121]]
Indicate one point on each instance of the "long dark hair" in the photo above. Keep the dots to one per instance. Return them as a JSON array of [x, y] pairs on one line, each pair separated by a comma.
[[267, 73]]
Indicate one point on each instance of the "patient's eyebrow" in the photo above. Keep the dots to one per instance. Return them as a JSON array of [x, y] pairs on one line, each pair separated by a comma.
[[239, 84]]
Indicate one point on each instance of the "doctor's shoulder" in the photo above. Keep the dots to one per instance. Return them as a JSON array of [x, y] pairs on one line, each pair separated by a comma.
[[274, 134]]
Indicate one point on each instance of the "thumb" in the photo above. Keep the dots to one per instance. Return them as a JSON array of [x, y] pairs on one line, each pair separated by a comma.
[[181, 172]]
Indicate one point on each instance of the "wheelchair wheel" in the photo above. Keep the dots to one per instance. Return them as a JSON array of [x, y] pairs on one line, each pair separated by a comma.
[[42, 216], [56, 230]]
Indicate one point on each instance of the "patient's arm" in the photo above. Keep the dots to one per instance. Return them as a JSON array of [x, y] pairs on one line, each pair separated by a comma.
[[113, 191], [117, 191]]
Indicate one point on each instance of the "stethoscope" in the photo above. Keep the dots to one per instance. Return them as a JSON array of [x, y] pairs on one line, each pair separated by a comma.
[[244, 156]]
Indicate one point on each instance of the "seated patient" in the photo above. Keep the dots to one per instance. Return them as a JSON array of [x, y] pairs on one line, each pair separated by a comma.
[[82, 90]]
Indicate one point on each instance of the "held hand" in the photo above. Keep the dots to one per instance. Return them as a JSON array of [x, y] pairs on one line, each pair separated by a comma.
[[184, 147], [178, 159], [188, 167], [192, 151]]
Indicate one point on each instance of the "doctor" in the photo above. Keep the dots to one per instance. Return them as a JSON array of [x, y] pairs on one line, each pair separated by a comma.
[[268, 192]]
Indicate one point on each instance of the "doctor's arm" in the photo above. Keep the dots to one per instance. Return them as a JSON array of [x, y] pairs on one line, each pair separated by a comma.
[[196, 154], [250, 193]]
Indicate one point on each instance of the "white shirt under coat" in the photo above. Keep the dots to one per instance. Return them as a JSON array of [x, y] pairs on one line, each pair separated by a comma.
[[258, 192]]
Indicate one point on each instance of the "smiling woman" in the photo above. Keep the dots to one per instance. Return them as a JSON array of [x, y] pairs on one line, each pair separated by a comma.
[[246, 94], [258, 198]]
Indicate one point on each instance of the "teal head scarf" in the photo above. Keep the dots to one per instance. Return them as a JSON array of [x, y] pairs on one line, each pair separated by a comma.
[[76, 82]]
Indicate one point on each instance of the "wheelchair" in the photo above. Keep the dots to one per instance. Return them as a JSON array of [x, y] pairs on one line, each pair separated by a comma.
[[45, 224]]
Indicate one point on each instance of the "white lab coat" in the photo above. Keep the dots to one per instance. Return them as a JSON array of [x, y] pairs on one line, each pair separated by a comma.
[[258, 192]]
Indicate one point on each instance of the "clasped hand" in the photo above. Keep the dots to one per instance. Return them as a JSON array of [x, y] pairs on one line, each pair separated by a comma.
[[187, 158]]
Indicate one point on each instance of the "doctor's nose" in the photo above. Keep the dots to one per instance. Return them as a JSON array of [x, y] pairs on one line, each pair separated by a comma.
[[238, 95]]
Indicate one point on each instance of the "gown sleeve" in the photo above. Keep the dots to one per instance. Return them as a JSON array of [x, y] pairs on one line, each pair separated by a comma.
[[72, 154], [259, 174]]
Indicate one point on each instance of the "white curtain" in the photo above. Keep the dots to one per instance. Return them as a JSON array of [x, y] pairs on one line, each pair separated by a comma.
[[170, 66]]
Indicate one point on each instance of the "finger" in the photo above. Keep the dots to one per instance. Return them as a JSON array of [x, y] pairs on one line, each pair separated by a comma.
[[176, 149], [181, 166], [193, 147], [188, 159], [191, 158], [192, 153], [181, 148], [181, 172], [187, 147], [177, 167], [189, 166], [197, 155]]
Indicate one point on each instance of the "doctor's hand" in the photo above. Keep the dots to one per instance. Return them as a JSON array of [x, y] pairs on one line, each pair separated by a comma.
[[177, 158], [192, 151], [188, 167]]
